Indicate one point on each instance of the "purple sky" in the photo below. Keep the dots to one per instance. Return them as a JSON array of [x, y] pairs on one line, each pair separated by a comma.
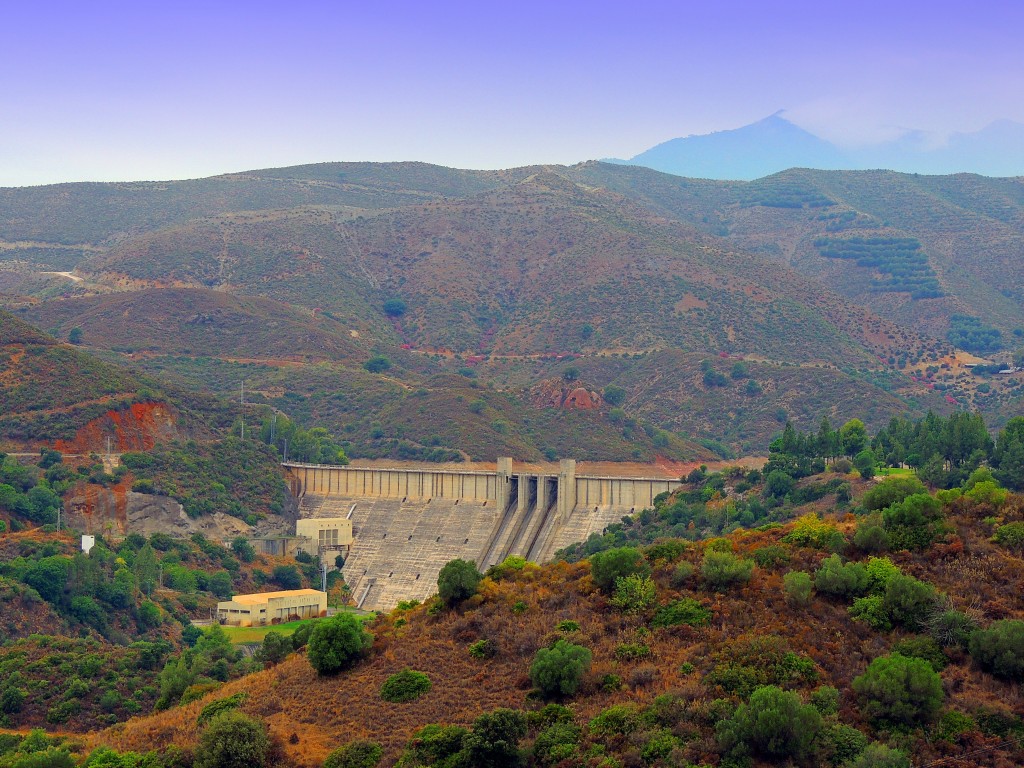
[[108, 91]]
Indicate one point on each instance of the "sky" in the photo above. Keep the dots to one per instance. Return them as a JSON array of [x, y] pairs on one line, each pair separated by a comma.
[[106, 91]]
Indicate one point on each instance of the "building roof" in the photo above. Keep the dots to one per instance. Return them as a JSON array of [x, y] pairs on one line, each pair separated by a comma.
[[262, 597]]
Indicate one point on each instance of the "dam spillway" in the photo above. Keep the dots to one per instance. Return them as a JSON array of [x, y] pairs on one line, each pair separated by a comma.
[[409, 519]]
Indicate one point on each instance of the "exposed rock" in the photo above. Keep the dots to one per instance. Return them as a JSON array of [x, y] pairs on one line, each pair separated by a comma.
[[555, 393], [135, 428]]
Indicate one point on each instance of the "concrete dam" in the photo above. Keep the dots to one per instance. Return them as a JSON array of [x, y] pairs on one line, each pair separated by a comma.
[[409, 519]]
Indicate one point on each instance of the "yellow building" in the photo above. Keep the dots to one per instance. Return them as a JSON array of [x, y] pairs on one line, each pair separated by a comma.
[[324, 534], [272, 607]]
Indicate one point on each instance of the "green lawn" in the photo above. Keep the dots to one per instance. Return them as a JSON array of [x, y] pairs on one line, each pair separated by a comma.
[[242, 635], [890, 471]]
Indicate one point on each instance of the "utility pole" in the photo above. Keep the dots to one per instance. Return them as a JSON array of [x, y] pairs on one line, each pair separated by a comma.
[[273, 428], [286, 450], [243, 409], [59, 510]]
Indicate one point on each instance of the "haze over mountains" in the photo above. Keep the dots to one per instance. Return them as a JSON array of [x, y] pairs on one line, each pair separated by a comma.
[[775, 144]]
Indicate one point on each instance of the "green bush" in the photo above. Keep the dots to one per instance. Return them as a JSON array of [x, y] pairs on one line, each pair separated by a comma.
[[220, 706], [1000, 649], [839, 579], [1010, 535], [922, 647], [337, 643], [356, 754], [634, 593], [558, 671], [951, 628], [686, 611], [377, 364], [880, 756], [483, 649], [891, 491], [632, 651], [435, 745], [406, 685], [841, 743], [826, 700], [774, 724], [613, 564], [556, 743], [494, 740], [871, 610], [276, 647], [682, 573], [772, 556], [616, 719], [457, 581], [798, 587], [899, 690], [721, 570], [908, 602], [233, 740]]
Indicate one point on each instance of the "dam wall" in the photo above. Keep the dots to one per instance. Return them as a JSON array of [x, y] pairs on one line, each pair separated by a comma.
[[409, 520]]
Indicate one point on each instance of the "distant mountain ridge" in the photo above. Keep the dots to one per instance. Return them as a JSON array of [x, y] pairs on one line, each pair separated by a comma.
[[775, 144]]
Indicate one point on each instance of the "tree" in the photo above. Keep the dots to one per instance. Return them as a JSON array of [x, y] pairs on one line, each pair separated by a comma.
[[864, 462], [798, 587], [1000, 649], [75, 335], [276, 647], [286, 577], [613, 564], [634, 593], [899, 690], [853, 437], [220, 585], [891, 491], [357, 754], [908, 602], [48, 576], [494, 740], [558, 671], [394, 307], [243, 549], [778, 484], [774, 724], [458, 581], [146, 569], [337, 643], [614, 395], [377, 364], [233, 740]]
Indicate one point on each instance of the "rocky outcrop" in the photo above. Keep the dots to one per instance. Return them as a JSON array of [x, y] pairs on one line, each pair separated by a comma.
[[136, 428], [117, 511], [556, 393]]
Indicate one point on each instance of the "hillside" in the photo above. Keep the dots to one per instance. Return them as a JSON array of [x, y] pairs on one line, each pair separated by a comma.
[[515, 279], [660, 681]]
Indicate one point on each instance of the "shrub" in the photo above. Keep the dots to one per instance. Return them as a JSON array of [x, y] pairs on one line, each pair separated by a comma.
[[1010, 535], [798, 587], [871, 610], [613, 564], [406, 685], [233, 740], [337, 643], [899, 690], [774, 724], [891, 491], [617, 719], [743, 666], [276, 648], [954, 724], [686, 611], [614, 395], [377, 364], [771, 556], [457, 581], [841, 743], [394, 307], [922, 647], [483, 649], [951, 628], [1000, 649], [723, 569], [286, 577], [556, 743], [435, 745], [908, 602], [568, 626], [811, 531], [494, 740], [634, 593], [839, 579], [220, 706], [632, 651], [356, 754], [778, 484], [558, 671], [826, 700], [880, 756], [682, 573], [666, 549], [870, 536]]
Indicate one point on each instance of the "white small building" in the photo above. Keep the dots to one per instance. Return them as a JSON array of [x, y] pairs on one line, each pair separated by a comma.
[[88, 542], [264, 608]]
